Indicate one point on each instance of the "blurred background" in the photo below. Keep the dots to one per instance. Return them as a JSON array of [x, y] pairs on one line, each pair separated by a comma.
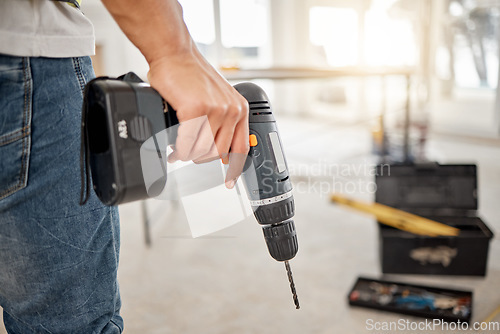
[[352, 83], [449, 49]]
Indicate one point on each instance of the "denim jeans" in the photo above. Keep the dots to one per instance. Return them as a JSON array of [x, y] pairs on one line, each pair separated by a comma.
[[58, 260]]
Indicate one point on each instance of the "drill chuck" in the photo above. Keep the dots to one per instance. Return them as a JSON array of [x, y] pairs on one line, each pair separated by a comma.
[[274, 210], [281, 240]]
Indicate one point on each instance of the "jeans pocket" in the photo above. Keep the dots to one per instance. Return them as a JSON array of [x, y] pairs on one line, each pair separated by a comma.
[[15, 123]]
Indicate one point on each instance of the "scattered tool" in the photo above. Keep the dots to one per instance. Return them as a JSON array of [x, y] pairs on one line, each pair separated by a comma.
[[417, 300], [399, 219]]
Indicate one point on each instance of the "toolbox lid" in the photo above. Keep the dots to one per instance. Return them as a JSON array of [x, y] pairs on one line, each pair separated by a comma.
[[427, 187]]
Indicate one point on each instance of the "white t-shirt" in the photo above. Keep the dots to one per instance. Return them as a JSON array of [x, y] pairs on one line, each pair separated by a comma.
[[44, 28]]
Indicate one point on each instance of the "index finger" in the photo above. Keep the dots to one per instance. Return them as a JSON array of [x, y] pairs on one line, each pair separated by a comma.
[[239, 152]]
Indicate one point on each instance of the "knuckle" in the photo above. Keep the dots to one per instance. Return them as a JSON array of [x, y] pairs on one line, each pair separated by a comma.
[[244, 105], [244, 102], [215, 109], [243, 147], [201, 107], [233, 113]]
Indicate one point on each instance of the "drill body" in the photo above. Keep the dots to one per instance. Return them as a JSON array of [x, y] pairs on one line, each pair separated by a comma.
[[266, 176]]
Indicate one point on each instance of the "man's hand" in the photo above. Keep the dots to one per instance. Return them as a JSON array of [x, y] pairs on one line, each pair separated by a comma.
[[194, 89], [217, 113]]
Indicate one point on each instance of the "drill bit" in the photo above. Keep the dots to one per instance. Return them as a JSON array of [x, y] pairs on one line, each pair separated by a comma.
[[292, 285]]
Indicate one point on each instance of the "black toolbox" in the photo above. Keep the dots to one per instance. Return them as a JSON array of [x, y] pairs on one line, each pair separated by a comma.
[[444, 193]]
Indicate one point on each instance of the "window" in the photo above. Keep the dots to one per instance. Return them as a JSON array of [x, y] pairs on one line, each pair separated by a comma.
[[336, 30], [389, 39], [243, 39], [244, 23], [199, 18]]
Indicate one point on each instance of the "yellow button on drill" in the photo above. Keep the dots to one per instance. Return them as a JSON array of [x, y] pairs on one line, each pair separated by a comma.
[[253, 140]]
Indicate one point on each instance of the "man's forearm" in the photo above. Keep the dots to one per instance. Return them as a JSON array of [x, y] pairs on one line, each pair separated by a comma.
[[156, 27], [188, 82]]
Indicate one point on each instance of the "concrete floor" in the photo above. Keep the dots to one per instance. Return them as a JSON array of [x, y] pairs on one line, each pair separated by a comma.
[[226, 282]]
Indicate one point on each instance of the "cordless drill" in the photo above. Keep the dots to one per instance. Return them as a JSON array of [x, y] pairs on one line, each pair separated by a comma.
[[268, 184], [119, 115]]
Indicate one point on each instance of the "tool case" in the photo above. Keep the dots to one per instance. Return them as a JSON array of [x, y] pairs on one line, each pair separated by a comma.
[[422, 301], [444, 193]]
